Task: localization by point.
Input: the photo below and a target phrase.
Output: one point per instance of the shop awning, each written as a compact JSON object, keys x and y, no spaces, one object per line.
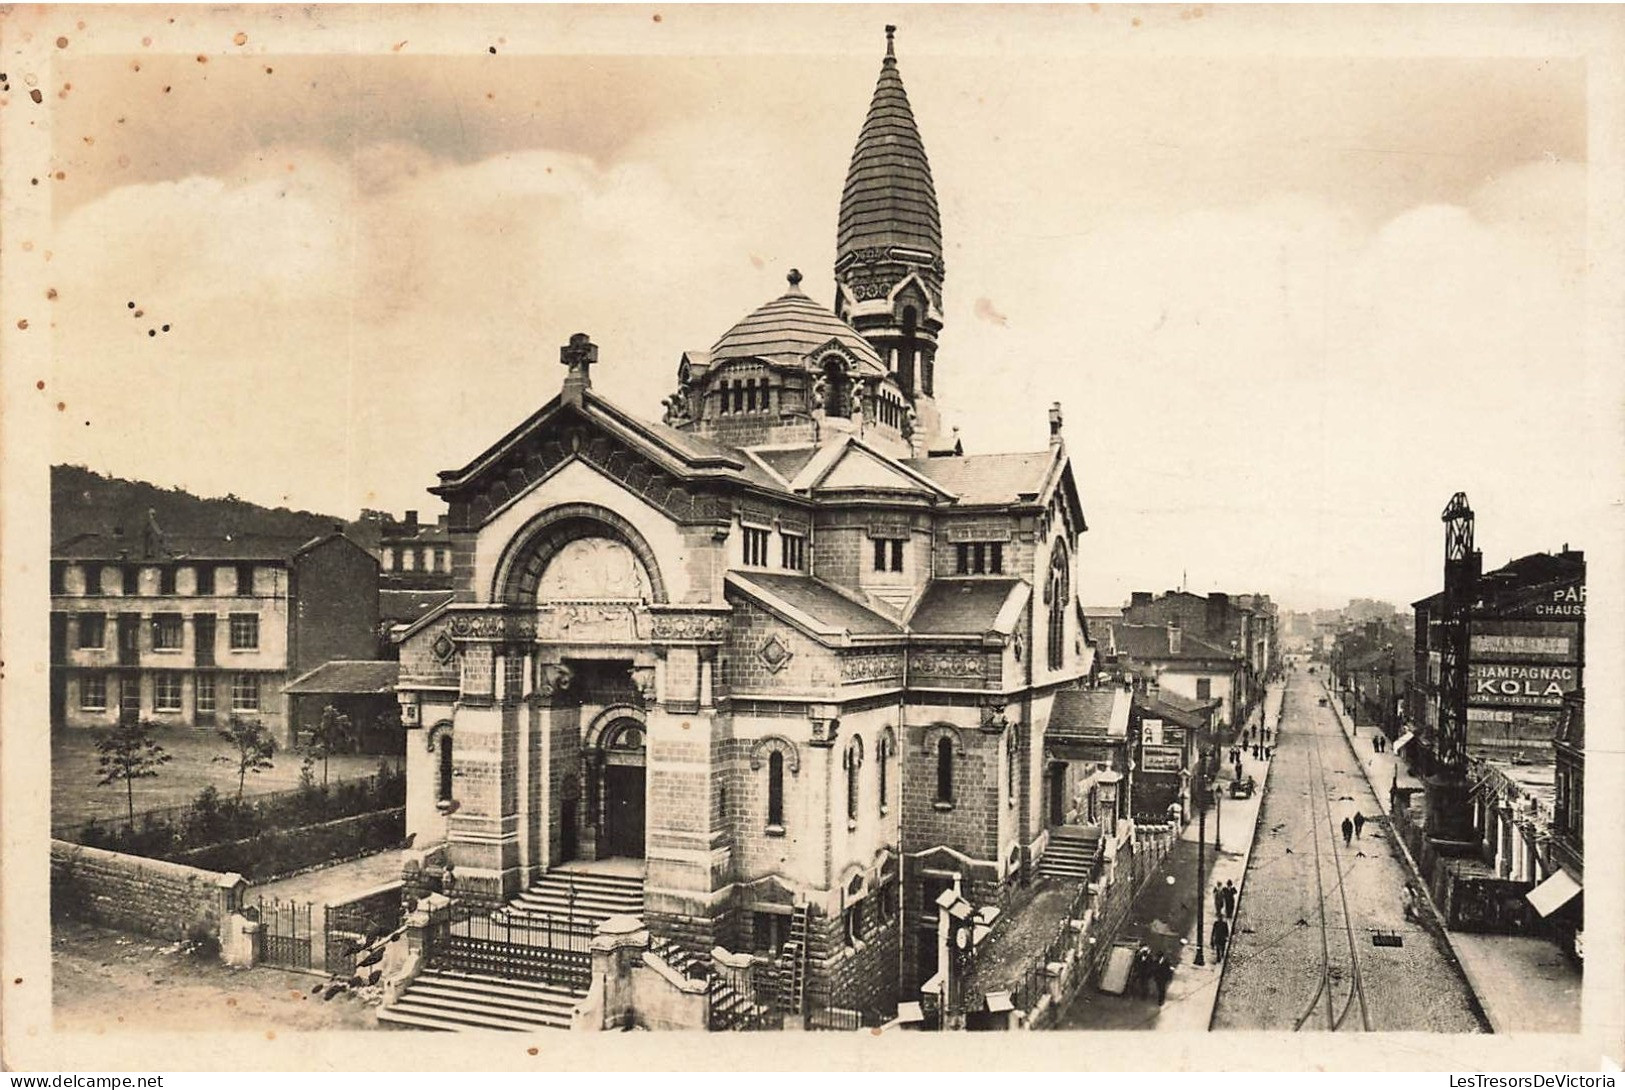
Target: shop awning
{"x":1404,"y":740}
{"x":1558,"y":890}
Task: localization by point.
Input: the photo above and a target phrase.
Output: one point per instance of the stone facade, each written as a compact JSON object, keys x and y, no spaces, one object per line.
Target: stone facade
{"x":728,"y":651}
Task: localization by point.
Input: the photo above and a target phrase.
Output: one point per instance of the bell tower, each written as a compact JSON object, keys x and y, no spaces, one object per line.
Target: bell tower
{"x":888,"y":254}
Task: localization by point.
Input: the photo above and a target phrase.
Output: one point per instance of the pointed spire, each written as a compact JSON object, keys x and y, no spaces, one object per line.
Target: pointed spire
{"x":889,"y":198}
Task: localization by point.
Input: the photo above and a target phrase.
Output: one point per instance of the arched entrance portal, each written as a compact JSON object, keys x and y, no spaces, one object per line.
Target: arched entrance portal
{"x":623,"y":755}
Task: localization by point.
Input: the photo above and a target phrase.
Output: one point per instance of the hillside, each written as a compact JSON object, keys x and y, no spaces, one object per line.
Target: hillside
{"x":83,"y":501}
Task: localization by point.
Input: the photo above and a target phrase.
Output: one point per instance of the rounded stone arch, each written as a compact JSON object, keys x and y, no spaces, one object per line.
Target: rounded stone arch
{"x":853,"y":756}
{"x":938,"y":731}
{"x":885,"y":743}
{"x":599,"y":733}
{"x":432,"y":736}
{"x":775,"y":743}
{"x":527,"y":554}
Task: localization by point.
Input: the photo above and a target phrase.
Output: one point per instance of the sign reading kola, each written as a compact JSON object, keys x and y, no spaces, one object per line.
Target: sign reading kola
{"x":1514,"y":683}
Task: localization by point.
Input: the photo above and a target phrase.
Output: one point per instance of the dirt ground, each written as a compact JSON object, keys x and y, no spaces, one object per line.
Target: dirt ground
{"x":75,"y":796}
{"x":108,"y":981}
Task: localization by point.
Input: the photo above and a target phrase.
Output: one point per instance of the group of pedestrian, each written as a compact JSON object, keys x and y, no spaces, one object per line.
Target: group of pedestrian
{"x":1379,"y":742}
{"x":1353,"y":827}
{"x":1225,"y":898}
{"x":1150,"y":971}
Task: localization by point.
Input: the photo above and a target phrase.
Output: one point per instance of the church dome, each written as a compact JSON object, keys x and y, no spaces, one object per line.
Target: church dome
{"x":789,"y":329}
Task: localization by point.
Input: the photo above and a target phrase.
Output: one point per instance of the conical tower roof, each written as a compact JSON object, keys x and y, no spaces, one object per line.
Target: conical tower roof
{"x":889,"y":199}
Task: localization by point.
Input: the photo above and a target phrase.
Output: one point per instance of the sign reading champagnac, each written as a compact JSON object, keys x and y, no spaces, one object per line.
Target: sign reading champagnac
{"x":1519,"y":684}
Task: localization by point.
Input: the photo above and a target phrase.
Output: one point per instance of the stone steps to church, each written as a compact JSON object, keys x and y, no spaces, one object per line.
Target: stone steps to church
{"x":461,"y":1001}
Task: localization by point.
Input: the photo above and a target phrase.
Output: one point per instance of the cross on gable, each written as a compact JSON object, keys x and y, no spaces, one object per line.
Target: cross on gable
{"x":580,"y":354}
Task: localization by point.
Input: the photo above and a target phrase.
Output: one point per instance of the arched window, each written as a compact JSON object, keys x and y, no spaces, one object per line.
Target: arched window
{"x":444,"y":792}
{"x":775,"y":788}
{"x":910,"y":352}
{"x":837,"y":388}
{"x":1012,"y":750}
{"x":854,"y":761}
{"x":945,"y":769}
{"x":1056,"y":594}
{"x":882,"y":770}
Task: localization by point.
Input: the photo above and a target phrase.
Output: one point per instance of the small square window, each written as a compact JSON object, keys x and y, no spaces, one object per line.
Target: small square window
{"x":168,"y":632}
{"x":93,"y":692}
{"x":93,"y":630}
{"x":755,"y":545}
{"x":245,"y":631}
{"x":245,"y":693}
{"x":166,"y":692}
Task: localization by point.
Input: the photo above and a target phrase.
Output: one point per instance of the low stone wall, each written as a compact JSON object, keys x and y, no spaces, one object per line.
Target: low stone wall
{"x":148,"y":896}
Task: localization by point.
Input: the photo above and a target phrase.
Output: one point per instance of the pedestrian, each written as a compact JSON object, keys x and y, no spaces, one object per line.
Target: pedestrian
{"x":1139,"y":974}
{"x":1348,"y":831}
{"x":1221,"y":937}
{"x":1218,"y":898}
{"x":1359,"y":825}
{"x":1163,"y":971}
{"x":1230,"y":895}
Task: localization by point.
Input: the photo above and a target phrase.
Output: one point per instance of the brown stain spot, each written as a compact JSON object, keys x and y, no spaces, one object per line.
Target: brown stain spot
{"x":492,"y":50}
{"x":490,"y":96}
{"x":657,"y":17}
{"x":166,"y":89}
{"x":398,"y":46}
{"x":135,"y":66}
{"x":19,"y":980}
{"x":62,"y":407}
{"x":62,"y":43}
{"x":270,"y":1035}
{"x":231,"y":1001}
{"x":146,"y":42}
{"x":80,"y":24}
{"x":22,"y":323}
{"x":267,"y":70}
{"x":50,"y":293}
{"x":239,"y":38}
{"x":1135,"y":21}
{"x":532,"y":1051}
{"x":28,"y":245}
{"x":36,"y":96}
{"x":90,"y":141}
{"x":61,"y":175}
{"x":874,"y":1031}
{"x":202,"y":58}
{"x":40,"y":385}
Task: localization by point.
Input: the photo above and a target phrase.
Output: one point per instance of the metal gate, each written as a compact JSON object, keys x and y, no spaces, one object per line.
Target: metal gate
{"x":287,"y":933}
{"x":515,"y":947}
{"x":351,"y":931}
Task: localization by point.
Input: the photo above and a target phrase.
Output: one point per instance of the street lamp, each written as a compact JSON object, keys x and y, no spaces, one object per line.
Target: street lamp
{"x":1201,"y":853}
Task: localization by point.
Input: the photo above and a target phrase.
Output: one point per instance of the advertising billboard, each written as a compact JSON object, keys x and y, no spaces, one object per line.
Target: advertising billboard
{"x":1160,"y":759}
{"x":1523,"y":641}
{"x":1510,"y":684}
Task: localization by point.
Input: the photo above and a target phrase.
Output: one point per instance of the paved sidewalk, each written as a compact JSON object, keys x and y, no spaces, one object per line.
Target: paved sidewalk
{"x":1163,"y":916}
{"x":336,"y":884}
{"x":1524,"y":984}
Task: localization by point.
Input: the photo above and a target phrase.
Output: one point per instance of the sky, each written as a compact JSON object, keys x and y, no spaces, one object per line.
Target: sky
{"x":1289,"y":301}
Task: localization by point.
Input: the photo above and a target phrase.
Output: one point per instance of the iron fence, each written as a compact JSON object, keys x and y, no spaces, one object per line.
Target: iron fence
{"x":517,"y":947}
{"x":288,"y":933}
{"x":834,"y":1018}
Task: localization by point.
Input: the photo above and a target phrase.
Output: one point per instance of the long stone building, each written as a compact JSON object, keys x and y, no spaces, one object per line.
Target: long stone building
{"x":781,"y":665}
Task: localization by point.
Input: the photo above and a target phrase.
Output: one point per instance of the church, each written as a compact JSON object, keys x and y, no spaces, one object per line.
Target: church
{"x":774,"y":672}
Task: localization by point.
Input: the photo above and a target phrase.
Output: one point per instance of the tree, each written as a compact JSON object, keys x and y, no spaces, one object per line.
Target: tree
{"x":332,"y":735}
{"x":253,"y":747}
{"x":129,"y":752}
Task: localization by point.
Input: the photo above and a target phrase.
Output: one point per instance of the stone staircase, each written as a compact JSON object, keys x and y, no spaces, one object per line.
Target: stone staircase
{"x":729,"y":1008}
{"x":596,"y":897}
{"x":444,"y":1000}
{"x":1071,"y":855}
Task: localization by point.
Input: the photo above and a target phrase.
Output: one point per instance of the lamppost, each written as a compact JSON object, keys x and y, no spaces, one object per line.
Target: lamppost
{"x":1199,"y":797}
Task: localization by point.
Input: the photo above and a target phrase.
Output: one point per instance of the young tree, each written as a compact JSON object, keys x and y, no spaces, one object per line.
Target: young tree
{"x":129,"y":752}
{"x":332,"y":735}
{"x":253,"y":747}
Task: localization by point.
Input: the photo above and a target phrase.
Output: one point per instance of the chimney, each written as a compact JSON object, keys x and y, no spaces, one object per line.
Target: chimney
{"x":578,"y":356}
{"x":1173,"y":637}
{"x":1055,"y":424}
{"x":412,"y":522}
{"x":1138,"y":601}
{"x":1218,"y":612}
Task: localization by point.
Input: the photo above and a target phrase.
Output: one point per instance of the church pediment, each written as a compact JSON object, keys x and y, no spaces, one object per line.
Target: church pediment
{"x":856,"y":468}
{"x":648,"y":462}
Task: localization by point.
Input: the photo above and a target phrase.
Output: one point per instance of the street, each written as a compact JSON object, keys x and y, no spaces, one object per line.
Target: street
{"x":1306,"y":951}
